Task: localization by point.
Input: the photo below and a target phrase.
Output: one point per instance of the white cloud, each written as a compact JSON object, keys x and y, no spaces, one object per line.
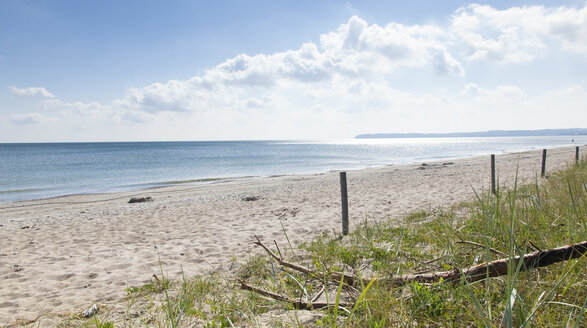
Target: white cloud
{"x":445,"y":64}
{"x":574,"y":91}
{"x":95,"y":112}
{"x":356,"y":51}
{"x":503,"y":94}
{"x":518,"y":34}
{"x":31,"y":92}
{"x":569,"y":26}
{"x":31,"y":118}
{"x":358,"y":48}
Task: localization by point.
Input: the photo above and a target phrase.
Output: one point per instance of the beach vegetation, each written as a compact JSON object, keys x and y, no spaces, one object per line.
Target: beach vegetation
{"x":524,"y":219}
{"x":102,"y":324}
{"x":156,"y":285}
{"x":545,"y":214}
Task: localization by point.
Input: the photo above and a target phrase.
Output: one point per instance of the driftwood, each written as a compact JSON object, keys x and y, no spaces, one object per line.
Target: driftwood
{"x":140,"y":200}
{"x":478,"y":272}
{"x":533,"y":260}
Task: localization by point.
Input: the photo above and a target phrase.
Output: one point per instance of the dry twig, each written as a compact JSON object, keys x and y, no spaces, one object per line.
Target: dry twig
{"x":295,"y":304}
{"x":348,"y":278}
{"x":492,"y":250}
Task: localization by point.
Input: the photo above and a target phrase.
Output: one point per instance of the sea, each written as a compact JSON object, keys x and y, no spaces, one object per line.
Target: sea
{"x":43,"y":170}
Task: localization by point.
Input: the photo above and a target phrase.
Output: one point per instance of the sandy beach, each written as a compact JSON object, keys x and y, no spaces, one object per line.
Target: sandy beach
{"x":63,"y":254}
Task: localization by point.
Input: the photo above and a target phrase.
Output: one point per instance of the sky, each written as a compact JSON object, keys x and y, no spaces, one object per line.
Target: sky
{"x":154,"y":70}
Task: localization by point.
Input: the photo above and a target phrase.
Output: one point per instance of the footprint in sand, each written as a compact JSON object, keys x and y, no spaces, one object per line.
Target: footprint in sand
{"x":64,"y":276}
{"x":8,"y":305}
{"x":120,"y":266}
{"x":12,"y":276}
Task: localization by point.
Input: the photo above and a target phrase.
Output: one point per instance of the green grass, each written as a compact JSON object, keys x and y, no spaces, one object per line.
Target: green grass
{"x":546,"y":214}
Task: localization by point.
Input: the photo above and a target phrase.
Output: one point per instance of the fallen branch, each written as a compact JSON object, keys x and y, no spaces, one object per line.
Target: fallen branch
{"x":530,"y":261}
{"x":281,"y":261}
{"x":475,"y":273}
{"x":318,"y":294}
{"x":348,"y":278}
{"x":295,"y":304}
{"x":493,"y":250}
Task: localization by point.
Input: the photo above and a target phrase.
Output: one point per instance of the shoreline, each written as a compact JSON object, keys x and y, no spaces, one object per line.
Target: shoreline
{"x":152,"y":186}
{"x":65,"y":253}
{"x":92,"y":187}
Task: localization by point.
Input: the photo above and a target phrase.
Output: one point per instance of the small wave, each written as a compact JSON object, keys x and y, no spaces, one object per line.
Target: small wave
{"x":20,"y":191}
{"x":177,"y":182}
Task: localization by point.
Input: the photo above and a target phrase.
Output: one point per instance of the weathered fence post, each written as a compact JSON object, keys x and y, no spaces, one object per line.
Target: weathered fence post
{"x":577,"y":155}
{"x":543,"y":172}
{"x":493,"y":191}
{"x":345,"y":204}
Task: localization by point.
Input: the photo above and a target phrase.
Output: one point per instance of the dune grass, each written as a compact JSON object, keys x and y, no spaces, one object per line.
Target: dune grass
{"x":546,"y":214}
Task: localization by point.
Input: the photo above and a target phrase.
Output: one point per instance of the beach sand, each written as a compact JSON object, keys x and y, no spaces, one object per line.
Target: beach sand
{"x":63,"y":254}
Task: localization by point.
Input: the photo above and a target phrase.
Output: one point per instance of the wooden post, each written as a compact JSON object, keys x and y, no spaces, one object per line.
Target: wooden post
{"x":493,"y":191}
{"x":577,"y":155}
{"x":543,"y":162}
{"x":345,"y":204}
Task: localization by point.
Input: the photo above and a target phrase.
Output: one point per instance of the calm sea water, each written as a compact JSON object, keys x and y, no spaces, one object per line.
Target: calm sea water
{"x":31,"y":171}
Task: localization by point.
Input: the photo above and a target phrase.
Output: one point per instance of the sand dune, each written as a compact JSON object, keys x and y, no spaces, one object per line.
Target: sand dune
{"x":62,"y":254}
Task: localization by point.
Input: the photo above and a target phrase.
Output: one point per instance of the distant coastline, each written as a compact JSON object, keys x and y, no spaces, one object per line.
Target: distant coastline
{"x":492,"y":133}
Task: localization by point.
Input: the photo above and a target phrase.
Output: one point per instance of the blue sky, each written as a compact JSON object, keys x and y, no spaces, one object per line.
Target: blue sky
{"x":220,"y":70}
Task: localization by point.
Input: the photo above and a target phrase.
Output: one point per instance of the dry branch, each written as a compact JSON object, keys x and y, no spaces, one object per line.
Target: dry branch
{"x":493,"y":250}
{"x":295,"y":304}
{"x":318,"y":294}
{"x":498,"y":267}
{"x":530,"y":261}
{"x":348,"y":278}
{"x":475,"y":273}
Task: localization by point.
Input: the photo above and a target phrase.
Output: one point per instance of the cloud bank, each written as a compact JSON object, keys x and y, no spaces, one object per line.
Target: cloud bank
{"x":359,"y":78}
{"x":357,"y":55}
